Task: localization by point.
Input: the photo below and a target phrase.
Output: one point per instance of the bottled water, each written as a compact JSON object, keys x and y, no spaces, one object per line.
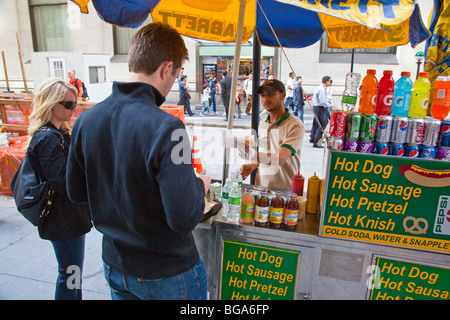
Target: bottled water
{"x":225,"y":199}
{"x":351,"y":91}
{"x":235,"y":203}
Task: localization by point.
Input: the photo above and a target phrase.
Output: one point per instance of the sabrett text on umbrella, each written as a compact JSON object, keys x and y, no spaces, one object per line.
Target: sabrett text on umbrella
{"x":200,"y":24}
{"x":355,"y":33}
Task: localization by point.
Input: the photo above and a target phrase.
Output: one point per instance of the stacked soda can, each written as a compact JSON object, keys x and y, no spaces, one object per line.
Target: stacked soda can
{"x":367,"y":131}
{"x":383,"y":134}
{"x":443,"y":152}
{"x":398,"y":136}
{"x":430,"y":138}
{"x":338,"y":123}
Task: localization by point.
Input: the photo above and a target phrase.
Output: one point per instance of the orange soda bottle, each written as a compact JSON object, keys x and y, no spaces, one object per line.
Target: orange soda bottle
{"x":441,"y":98}
{"x":369,"y":90}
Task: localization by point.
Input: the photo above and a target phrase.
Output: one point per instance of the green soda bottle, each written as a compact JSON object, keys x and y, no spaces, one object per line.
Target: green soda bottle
{"x":420,"y":96}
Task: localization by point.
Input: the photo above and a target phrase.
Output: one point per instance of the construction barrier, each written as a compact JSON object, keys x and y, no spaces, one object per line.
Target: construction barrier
{"x":196,"y":159}
{"x":177,"y":111}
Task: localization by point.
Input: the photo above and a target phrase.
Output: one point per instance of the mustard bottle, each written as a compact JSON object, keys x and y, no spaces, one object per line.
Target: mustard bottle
{"x":312,"y":194}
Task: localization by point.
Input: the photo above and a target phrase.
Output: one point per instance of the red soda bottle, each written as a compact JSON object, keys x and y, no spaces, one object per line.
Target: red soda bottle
{"x":385,"y":94}
{"x":369,"y":90}
{"x":441,"y":98}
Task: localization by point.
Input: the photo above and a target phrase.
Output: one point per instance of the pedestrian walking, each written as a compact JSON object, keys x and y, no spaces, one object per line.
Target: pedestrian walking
{"x":289,"y":90}
{"x":298,"y":99}
{"x":225,"y":88}
{"x":248,"y":87}
{"x":320,"y":108}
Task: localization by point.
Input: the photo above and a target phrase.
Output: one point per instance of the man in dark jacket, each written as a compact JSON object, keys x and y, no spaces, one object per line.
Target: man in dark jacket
{"x":225,"y":88}
{"x":132,"y":162}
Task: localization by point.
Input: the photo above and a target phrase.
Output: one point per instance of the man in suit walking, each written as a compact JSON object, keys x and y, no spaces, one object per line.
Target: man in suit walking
{"x":225,"y":87}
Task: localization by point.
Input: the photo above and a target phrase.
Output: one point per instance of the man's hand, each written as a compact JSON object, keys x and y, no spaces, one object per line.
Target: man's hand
{"x":247,"y":169}
{"x":206,"y":181}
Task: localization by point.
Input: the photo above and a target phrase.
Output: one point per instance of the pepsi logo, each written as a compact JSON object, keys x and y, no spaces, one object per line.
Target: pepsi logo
{"x":413,"y":154}
{"x":382,"y":124}
{"x":404,"y":126}
{"x":445,"y":130}
{"x":385,"y":151}
{"x":400,"y":152}
{"x":448,"y":216}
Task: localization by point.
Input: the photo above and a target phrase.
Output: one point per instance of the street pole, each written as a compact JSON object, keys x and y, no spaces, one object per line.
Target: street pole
{"x":234,"y":75}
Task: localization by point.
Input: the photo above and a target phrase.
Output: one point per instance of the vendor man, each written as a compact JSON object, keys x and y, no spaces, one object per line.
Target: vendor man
{"x":280,"y":141}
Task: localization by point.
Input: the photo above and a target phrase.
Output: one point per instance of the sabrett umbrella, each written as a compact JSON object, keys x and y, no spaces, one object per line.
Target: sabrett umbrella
{"x":284,"y":23}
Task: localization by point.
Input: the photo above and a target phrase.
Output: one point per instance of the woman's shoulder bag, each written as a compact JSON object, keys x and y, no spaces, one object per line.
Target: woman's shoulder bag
{"x":32,"y":194}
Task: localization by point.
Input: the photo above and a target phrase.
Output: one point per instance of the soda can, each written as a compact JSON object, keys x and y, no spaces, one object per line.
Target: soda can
{"x":351,"y":145}
{"x":399,"y":129}
{"x":427,"y":152}
{"x":353,"y":126}
{"x":337,"y":124}
{"x":384,"y":128}
{"x":336,"y":143}
{"x":414,"y":135}
{"x":397,"y":149}
{"x":443,"y":154}
{"x":381,"y":148}
{"x":411,"y":151}
{"x":444,"y":137}
{"x":365,"y":147}
{"x":431,"y":130}
{"x":368,"y":127}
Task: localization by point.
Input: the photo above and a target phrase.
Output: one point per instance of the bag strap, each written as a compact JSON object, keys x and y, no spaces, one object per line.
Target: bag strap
{"x":32,"y":155}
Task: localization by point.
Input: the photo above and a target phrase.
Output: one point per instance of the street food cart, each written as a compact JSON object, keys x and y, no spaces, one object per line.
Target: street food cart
{"x":382,"y":233}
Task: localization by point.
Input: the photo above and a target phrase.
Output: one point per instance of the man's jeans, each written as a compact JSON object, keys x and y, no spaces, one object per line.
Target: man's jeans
{"x":70,"y":256}
{"x":190,"y":285}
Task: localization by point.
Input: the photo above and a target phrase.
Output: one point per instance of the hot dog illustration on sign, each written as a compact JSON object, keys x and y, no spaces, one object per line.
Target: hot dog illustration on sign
{"x":425,"y":177}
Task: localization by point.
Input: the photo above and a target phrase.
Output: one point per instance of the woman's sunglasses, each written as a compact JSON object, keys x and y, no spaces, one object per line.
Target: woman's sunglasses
{"x":69,"y":105}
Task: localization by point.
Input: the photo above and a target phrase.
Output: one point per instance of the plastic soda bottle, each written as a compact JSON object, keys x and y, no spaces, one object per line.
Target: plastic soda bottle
{"x":247,"y":206}
{"x":402,"y":95}
{"x":368,"y":95}
{"x":225,"y":199}
{"x":235,"y":203}
{"x":441,"y":98}
{"x":351,"y":91}
{"x":385,"y":94}
{"x":420,"y":96}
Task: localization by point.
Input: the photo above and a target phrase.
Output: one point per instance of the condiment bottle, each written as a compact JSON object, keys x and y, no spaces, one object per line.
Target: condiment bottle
{"x":262,"y":208}
{"x":291,"y":209}
{"x":247,"y":206}
{"x":312,"y":194}
{"x":276,"y":211}
{"x":297,"y":184}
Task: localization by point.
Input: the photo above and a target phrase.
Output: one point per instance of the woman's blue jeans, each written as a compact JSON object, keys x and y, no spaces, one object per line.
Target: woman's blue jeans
{"x":70,"y":256}
{"x":190,"y":285}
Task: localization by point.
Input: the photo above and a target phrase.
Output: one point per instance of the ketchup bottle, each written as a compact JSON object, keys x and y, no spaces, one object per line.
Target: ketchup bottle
{"x":298,"y":182}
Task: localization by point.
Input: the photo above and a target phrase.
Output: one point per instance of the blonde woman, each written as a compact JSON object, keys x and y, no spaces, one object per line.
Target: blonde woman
{"x":67,"y":223}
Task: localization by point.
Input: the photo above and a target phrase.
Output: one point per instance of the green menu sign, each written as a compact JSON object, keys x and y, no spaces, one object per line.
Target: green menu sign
{"x":253,"y":272}
{"x":397,"y":201}
{"x":402,"y":280}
